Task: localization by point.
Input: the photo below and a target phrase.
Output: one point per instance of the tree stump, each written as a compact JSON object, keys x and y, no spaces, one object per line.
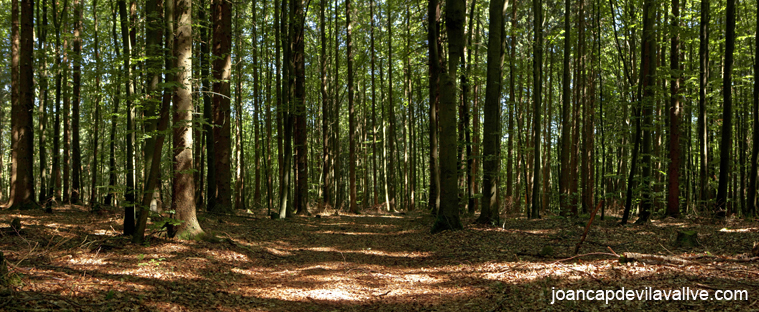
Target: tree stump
{"x":687,"y":239}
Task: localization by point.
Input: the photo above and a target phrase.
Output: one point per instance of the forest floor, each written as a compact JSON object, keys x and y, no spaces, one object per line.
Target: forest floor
{"x":75,"y":260}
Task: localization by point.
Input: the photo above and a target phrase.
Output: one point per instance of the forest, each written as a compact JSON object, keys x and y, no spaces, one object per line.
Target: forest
{"x":294,"y":155}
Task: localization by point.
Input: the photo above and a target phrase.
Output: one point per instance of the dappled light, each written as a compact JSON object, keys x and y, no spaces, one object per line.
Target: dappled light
{"x":353,"y":262}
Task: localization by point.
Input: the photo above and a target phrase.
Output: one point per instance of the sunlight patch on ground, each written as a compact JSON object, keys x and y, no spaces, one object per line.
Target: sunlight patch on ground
{"x":369,"y":251}
{"x":746,"y":230}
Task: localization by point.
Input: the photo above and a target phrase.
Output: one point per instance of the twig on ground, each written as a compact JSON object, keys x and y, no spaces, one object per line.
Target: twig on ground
{"x":587,"y":254}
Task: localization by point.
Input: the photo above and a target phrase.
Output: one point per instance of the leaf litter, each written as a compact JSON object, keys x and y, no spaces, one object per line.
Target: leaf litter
{"x":75,"y":260}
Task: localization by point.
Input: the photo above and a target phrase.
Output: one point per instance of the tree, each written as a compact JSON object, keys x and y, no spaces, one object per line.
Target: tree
{"x":752,"y":203}
{"x":703,"y":81}
{"x":491,"y":132}
{"x":93,"y":186}
{"x":129,"y":221}
{"x":22,"y":177}
{"x":222,"y":69}
{"x":675,"y":115}
{"x":647,"y":72}
{"x":721,"y":208}
{"x":297,"y":24}
{"x":183,"y":195}
{"x":433,"y":16}
{"x":351,"y":111}
{"x":76,"y":151}
{"x":448,"y":216}
{"x":537,"y":70}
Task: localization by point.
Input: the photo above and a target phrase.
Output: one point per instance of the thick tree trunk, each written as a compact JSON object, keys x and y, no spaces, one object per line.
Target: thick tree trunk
{"x":491,"y":134}
{"x":647,"y":72}
{"x":222,"y":68}
{"x":22,"y":186}
{"x":183,"y":195}
{"x":448,"y":216}
{"x":675,"y":115}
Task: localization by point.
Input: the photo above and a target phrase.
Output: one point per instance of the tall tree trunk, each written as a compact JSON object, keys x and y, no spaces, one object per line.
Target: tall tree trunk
{"x":703,"y":82}
{"x":22,"y":178}
{"x":751,"y":201}
{"x":112,"y":176}
{"x":44,"y":101}
{"x":448,"y":216}
{"x":326,"y":108}
{"x":239,"y":195}
{"x":222,"y":68}
{"x":727,"y":111}
{"x":647,"y":72}
{"x":93,"y":186}
{"x":675,"y":114}
{"x":297,"y":24}
{"x":15,"y":89}
{"x":129,"y":196}
{"x":55,"y":185}
{"x":183,"y":195}
{"x":491,"y":134}
{"x":537,"y":93}
{"x":76,"y":153}
{"x":433,"y":15}
{"x":390,"y":194}
{"x":208,"y":128}
{"x":351,"y":112}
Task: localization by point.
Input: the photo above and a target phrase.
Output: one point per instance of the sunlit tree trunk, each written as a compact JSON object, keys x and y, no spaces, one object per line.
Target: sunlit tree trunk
{"x":183,"y":195}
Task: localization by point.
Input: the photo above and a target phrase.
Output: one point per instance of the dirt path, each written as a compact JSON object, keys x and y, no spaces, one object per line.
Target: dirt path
{"x":75,"y":260}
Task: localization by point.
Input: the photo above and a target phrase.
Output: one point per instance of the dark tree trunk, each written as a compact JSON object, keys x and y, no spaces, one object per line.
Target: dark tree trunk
{"x":433,"y":15}
{"x":675,"y":115}
{"x":44,"y":102}
{"x":647,"y":72}
{"x":751,"y":201}
{"x":703,"y":81}
{"x":129,"y":196}
{"x":22,"y":137}
{"x":448,"y":216}
{"x":491,"y":134}
{"x":721,"y":208}
{"x":76,"y":153}
{"x":96,"y":135}
{"x":222,"y":67}
{"x":297,"y":24}
{"x":537,"y":93}
{"x":351,"y":112}
{"x":112,"y":176}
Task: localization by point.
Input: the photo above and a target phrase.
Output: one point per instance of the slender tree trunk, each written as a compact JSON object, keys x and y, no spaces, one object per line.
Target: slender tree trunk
{"x":239,"y":154}
{"x":297,"y":21}
{"x":351,"y":112}
{"x":222,"y":67}
{"x":112,"y":176}
{"x":727,"y":112}
{"x":751,"y":201}
{"x":93,"y":186}
{"x":703,"y":81}
{"x":15,"y":87}
{"x":326,"y":120}
{"x":44,"y":102}
{"x":647,"y":71}
{"x":433,"y":15}
{"x":129,"y":227}
{"x":537,"y":74}
{"x":76,"y":154}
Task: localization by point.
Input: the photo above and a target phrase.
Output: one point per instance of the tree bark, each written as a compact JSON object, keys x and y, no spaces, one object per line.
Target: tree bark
{"x":222,"y":67}
{"x":297,"y":24}
{"x":721,"y":209}
{"x":491,"y":133}
{"x":351,"y":112}
{"x":675,"y":115}
{"x":448,"y":216}
{"x":537,"y":93}
{"x":183,"y":195}
{"x":96,"y":135}
{"x":129,"y":225}
{"x":751,"y":200}
{"x":703,"y":82}
{"x":76,"y":153}
{"x":22,"y":178}
{"x":433,"y":15}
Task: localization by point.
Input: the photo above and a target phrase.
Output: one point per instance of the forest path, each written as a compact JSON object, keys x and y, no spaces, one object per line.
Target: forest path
{"x":380,"y":262}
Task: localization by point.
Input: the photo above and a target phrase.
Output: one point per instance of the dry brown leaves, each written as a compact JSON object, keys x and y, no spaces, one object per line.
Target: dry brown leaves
{"x":77,"y":261}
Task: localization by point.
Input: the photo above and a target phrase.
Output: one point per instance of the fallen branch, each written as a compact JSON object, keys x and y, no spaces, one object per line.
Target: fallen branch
{"x":588,"y":254}
{"x":587,"y":227}
{"x":634,"y":256}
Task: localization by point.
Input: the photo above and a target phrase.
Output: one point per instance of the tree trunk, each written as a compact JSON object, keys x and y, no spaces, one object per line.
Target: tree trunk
{"x":448,"y":216}
{"x":675,"y":115}
{"x":96,"y":135}
{"x":222,"y":67}
{"x":44,"y":102}
{"x":112,"y":177}
{"x":183,"y":194}
{"x":297,"y":24}
{"x":351,"y":112}
{"x":647,"y":72}
{"x":751,"y":201}
{"x":433,"y":15}
{"x":326,"y":120}
{"x":22,"y":178}
{"x":129,"y":194}
{"x":727,"y":112}
{"x":537,"y":93}
{"x":703,"y":81}
{"x":76,"y":153}
{"x":491,"y":134}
